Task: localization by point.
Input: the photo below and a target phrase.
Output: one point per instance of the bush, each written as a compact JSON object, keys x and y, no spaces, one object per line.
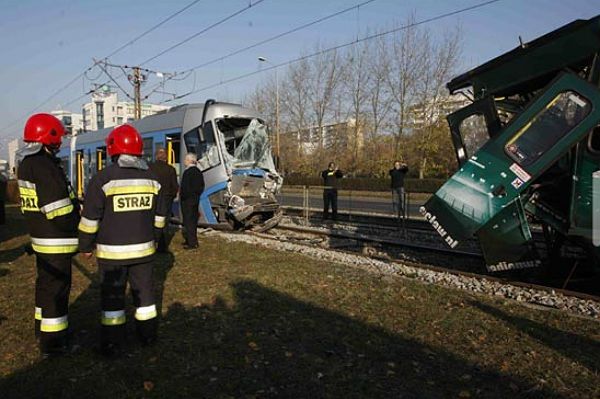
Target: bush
{"x":369,"y":184}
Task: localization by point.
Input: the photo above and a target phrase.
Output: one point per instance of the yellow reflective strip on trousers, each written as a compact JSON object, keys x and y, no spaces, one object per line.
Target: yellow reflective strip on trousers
{"x":38,"y":314}
{"x":54,"y":249}
{"x":132,"y":190}
{"x":54,"y":327}
{"x":87,"y":229}
{"x":59,"y":212}
{"x":159,"y":225}
{"x":146,"y":316}
{"x":113,"y":321}
{"x":125,"y":255}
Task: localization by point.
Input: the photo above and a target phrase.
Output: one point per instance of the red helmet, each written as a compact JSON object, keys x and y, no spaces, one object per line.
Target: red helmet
{"x":124,"y":139}
{"x":44,"y":128}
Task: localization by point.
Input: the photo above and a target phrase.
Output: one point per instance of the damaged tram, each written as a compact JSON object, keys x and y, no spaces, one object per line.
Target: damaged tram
{"x":528,"y":149}
{"x":234,"y":156}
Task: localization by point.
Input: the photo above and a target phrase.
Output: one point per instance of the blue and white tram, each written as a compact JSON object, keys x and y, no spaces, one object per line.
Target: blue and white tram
{"x":234,"y":156}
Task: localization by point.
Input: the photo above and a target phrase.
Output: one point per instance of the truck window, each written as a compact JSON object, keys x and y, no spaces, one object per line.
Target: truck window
{"x":545,"y":129}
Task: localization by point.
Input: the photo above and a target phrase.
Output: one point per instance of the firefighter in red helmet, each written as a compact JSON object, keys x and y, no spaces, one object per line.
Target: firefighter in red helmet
{"x":52,"y":214}
{"x":123,"y":215}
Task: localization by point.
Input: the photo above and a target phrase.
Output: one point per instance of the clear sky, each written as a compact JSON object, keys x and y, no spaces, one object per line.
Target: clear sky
{"x":46,"y":43}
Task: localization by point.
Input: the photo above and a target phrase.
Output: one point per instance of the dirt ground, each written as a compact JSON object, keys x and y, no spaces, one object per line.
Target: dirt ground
{"x":243,"y":322}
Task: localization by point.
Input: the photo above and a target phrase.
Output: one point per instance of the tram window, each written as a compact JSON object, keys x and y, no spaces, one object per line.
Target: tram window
{"x":233,"y":130}
{"x":594,"y":141}
{"x":474,"y":133}
{"x":552,"y":123}
{"x":147,"y":151}
{"x":202,"y":143}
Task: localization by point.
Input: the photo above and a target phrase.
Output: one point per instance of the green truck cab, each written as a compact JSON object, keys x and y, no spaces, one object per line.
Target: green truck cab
{"x":540,"y":107}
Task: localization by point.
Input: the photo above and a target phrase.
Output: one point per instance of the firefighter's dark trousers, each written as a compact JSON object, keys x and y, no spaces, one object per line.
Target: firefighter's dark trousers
{"x":113,"y":285}
{"x":189,"y":209}
{"x":52,"y":287}
{"x":330,"y":198}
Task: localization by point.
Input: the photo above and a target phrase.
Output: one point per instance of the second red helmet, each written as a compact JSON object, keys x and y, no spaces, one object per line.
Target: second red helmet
{"x":124,"y":139}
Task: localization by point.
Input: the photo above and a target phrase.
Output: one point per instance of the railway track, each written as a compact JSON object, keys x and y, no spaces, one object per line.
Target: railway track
{"x":539,"y":284}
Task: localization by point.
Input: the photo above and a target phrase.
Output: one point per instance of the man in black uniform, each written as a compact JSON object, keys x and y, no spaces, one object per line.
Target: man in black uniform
{"x":122,"y":217}
{"x":167,"y":177}
{"x":397,"y":174}
{"x":192,"y":185}
{"x":330,"y":180}
{"x":52,"y":214}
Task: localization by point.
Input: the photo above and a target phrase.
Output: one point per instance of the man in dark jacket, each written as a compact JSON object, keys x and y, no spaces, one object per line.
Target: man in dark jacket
{"x":167,"y":177}
{"x":192,"y":185}
{"x":330,"y":180}
{"x":397,"y":174}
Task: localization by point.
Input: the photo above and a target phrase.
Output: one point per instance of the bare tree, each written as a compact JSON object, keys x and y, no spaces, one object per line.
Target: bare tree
{"x":404,"y":72}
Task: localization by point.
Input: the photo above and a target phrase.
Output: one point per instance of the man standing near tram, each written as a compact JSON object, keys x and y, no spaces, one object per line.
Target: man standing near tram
{"x":52,"y":213}
{"x":123,"y":215}
{"x":167,"y":177}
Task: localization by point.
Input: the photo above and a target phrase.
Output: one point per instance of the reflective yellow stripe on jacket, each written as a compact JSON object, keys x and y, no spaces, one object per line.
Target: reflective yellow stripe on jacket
{"x":29,"y":198}
{"x":159,"y":221}
{"x":54,"y":245}
{"x":88,"y":225}
{"x":131,"y":186}
{"x":54,"y":209}
{"x":121,"y":252}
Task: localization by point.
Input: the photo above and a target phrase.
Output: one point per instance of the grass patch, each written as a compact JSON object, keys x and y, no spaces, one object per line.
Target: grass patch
{"x":242,"y":321}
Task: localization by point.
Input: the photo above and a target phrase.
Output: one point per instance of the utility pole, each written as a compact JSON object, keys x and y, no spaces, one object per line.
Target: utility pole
{"x":138,"y":77}
{"x":137,"y":97}
{"x":277,"y":146}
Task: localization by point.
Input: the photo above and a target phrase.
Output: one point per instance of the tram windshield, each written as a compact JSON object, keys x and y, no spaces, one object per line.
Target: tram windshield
{"x":247,"y":143}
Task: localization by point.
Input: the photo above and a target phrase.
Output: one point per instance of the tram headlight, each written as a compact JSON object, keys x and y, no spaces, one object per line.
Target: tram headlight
{"x":236,"y":202}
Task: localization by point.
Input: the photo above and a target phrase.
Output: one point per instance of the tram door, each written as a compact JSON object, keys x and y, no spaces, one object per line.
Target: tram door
{"x":173,"y":147}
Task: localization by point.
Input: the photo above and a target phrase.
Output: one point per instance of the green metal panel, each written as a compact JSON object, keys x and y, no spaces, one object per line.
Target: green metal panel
{"x":491,"y":180}
{"x":506,"y":240}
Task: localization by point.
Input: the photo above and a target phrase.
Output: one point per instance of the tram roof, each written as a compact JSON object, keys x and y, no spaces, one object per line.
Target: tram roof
{"x":168,"y":120}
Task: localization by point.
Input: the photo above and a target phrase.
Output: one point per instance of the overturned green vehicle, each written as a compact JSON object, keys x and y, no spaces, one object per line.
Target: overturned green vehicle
{"x":534,"y":156}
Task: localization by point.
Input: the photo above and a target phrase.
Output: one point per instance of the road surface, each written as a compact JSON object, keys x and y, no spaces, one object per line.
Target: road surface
{"x":347,"y":203}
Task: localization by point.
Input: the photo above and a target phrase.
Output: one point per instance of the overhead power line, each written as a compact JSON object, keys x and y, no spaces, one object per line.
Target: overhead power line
{"x":327,"y":50}
{"x":265,"y":41}
{"x":280,"y":35}
{"x":187,"y":39}
{"x":173,"y":46}
{"x":82,"y":74}
{"x":158,"y":25}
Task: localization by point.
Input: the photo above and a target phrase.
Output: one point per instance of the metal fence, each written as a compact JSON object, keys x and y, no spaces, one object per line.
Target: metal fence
{"x":351,"y":203}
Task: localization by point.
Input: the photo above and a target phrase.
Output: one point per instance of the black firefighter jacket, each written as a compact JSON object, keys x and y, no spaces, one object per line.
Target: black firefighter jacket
{"x":123,"y":213}
{"x":49,"y":205}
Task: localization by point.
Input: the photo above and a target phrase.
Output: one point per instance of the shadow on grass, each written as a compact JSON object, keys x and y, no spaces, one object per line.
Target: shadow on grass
{"x":267,"y":344}
{"x":580,"y":349}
